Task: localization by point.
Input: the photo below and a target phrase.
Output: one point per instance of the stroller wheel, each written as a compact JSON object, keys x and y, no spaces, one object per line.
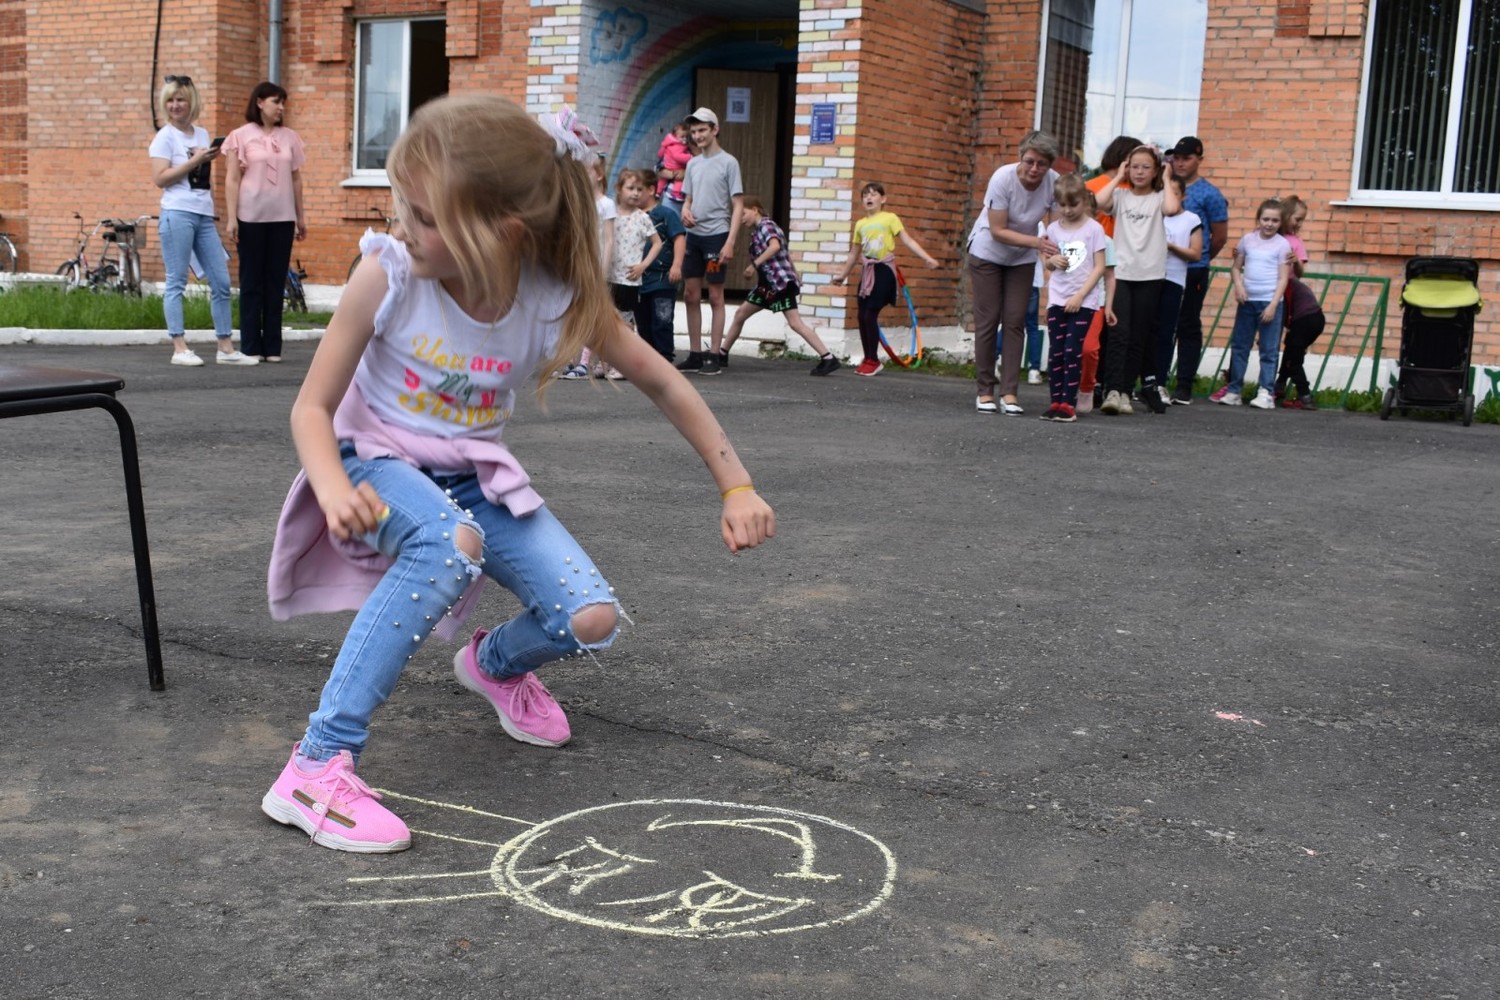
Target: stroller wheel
{"x":1468,"y":410}
{"x":1387,"y":403}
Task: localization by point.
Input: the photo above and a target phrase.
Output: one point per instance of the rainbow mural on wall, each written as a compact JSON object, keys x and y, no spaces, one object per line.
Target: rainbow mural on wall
{"x":656,"y":88}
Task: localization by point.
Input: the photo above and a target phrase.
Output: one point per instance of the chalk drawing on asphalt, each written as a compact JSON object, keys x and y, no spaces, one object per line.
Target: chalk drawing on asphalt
{"x":668,"y":867}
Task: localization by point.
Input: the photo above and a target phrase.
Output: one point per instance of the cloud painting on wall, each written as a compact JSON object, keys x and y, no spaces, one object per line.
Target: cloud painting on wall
{"x":615,"y":34}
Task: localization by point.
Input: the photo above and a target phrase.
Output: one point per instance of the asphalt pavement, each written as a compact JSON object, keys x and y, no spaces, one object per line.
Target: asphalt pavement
{"x":1181,"y":706}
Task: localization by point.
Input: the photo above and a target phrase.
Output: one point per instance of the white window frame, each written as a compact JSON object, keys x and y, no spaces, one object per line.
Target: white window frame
{"x":1122,"y":75}
{"x":1445,"y":197}
{"x":366,"y":176}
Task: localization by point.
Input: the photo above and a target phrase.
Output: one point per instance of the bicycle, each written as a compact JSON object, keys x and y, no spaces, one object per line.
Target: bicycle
{"x":390,"y":220}
{"x":119,"y":265}
{"x":295,"y":294}
{"x":7,"y":252}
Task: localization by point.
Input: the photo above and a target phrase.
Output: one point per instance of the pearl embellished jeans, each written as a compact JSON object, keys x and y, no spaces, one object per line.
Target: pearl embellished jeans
{"x":534,"y":557}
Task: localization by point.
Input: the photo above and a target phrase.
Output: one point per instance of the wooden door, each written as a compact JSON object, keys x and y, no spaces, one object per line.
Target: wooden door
{"x":749,"y":106}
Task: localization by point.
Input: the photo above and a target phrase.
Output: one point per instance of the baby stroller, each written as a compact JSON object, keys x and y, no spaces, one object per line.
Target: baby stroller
{"x":1438,"y":305}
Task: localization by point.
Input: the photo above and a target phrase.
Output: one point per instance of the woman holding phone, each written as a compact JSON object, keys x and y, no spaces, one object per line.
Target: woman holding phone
{"x":263,"y":193}
{"x":180,"y":155}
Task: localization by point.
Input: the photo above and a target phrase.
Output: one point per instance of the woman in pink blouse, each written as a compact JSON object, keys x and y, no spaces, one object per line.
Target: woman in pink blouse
{"x":263,"y":193}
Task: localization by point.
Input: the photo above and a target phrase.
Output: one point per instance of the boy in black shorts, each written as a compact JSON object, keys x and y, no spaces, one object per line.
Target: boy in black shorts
{"x":777,"y":285}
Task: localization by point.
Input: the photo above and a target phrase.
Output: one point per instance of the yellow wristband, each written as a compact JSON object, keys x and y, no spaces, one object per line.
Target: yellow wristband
{"x":735,"y":489}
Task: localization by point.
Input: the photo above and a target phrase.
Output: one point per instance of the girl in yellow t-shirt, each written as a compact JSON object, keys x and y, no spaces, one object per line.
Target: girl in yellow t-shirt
{"x":874,"y":241}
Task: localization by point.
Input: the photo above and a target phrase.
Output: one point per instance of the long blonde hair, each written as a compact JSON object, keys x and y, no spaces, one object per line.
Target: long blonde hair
{"x":501,"y":196}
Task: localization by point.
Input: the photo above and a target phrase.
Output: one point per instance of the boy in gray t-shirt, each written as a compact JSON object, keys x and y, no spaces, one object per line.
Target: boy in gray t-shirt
{"x":712,"y":195}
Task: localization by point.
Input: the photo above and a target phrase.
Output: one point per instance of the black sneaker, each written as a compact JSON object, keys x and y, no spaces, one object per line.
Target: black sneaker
{"x":692,"y":363}
{"x":1151,"y":396}
{"x":723,"y":359}
{"x":709,"y":366}
{"x":825,"y":366}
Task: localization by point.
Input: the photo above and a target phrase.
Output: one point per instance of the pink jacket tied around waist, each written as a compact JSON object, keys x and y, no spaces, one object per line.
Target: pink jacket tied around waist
{"x":313,"y":571}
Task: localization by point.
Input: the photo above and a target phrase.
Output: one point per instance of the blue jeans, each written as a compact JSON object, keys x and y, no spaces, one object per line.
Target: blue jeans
{"x":654,"y":316}
{"x":534,"y":557}
{"x":1034,"y":333}
{"x":181,"y":234}
{"x":1246,"y":325}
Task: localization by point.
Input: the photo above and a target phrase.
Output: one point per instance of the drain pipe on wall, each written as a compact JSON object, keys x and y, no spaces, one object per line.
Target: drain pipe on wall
{"x":273,"y":58}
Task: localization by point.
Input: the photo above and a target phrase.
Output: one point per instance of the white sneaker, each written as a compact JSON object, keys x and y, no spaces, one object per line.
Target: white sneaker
{"x":187,"y":358}
{"x":1263,"y":400}
{"x":236,"y":358}
{"x":1034,"y":377}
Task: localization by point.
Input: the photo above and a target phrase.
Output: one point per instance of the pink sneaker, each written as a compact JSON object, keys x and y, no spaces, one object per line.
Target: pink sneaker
{"x":527,"y":710}
{"x":335,"y":808}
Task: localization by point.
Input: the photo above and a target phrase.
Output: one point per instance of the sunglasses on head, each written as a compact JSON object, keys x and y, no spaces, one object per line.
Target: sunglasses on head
{"x":185,"y":81}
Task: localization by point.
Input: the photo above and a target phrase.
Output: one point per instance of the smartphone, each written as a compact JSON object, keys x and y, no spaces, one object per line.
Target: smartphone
{"x":216,"y":144}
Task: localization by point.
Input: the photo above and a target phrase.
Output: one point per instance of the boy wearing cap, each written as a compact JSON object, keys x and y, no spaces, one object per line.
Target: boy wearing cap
{"x":1210,"y":206}
{"x":712,"y":197}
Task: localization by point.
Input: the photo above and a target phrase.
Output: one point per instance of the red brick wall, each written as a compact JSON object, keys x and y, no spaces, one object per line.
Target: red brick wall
{"x":14,"y":161}
{"x":918,"y":100}
{"x":1284,"y":123}
{"x":89,"y":100}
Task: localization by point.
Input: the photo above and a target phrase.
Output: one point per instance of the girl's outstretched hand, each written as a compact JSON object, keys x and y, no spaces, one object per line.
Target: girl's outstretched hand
{"x":355,"y":513}
{"x":747,"y":520}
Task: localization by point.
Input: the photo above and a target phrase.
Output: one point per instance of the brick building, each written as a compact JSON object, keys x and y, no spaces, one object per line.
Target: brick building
{"x":1324,"y":98}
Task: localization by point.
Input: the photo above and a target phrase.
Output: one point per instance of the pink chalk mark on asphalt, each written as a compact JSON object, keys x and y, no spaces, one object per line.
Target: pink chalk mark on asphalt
{"x":1237,"y":717}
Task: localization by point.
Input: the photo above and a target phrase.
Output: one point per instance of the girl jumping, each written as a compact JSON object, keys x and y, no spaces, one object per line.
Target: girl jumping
{"x":407,"y":496}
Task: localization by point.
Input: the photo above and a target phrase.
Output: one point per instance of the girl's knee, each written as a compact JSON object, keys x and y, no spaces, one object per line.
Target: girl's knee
{"x":595,"y":623}
{"x":469,"y":541}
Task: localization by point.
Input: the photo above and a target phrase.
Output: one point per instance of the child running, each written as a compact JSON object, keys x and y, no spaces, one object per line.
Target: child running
{"x":1260,"y":272}
{"x":636,"y":246}
{"x":408,"y":496}
{"x":1076,"y":276}
{"x":777,"y":283}
{"x":875,"y":239}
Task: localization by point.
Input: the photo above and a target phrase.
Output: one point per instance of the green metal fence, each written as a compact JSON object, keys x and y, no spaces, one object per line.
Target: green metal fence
{"x":1354,"y":305}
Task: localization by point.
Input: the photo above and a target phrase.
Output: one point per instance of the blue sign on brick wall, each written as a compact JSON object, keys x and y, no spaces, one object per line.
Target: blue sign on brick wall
{"x":822,"y":124}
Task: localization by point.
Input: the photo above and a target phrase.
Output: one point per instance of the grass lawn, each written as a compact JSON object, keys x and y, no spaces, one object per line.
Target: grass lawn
{"x":43,"y":308}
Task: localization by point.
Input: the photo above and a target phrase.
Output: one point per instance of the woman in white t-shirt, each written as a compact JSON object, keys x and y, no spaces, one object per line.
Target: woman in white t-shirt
{"x":1003,"y":250}
{"x":180,"y":156}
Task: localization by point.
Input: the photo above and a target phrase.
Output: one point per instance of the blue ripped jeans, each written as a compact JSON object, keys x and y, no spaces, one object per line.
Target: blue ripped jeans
{"x":534,"y":557}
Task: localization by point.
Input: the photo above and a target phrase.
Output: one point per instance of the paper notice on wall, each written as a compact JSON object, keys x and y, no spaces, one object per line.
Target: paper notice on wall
{"x":737,"y":102}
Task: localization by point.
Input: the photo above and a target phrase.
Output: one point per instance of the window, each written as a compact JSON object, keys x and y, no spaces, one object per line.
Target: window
{"x":1120,"y":67}
{"x":401,"y":65}
{"x":1429,"y":131}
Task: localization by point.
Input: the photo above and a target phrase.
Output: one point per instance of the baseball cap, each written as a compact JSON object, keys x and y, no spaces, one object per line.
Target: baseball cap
{"x":704,"y":116}
{"x":1188,"y":145}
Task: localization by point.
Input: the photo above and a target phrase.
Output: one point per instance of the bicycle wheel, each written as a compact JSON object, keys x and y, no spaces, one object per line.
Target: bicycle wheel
{"x":352,"y":265}
{"x":7,"y":255}
{"x":296,"y":299}
{"x":105,"y":278}
{"x":68,"y":271}
{"x":130,"y":282}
